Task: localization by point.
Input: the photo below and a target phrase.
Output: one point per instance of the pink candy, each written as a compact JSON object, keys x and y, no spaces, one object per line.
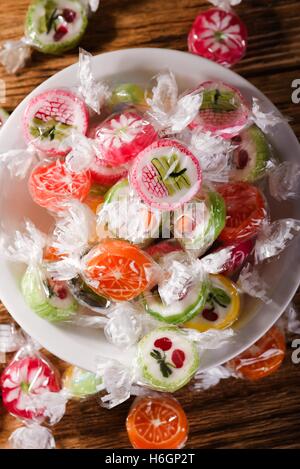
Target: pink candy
{"x":218,"y":35}
{"x":121,"y":138}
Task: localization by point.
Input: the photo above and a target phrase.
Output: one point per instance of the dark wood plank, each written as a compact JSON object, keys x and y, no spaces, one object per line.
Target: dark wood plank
{"x":235,"y":414}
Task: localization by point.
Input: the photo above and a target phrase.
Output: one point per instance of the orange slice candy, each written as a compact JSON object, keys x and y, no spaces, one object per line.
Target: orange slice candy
{"x":118,"y":270}
{"x":157,"y":423}
{"x":261,"y":359}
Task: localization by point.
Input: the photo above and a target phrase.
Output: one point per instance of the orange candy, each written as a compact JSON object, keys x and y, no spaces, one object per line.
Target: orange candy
{"x":118,"y":270}
{"x":157,"y":423}
{"x":261,"y":359}
{"x":52,"y":185}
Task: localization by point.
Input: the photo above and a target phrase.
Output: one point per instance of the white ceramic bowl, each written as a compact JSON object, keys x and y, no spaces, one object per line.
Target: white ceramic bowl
{"x":81,"y":346}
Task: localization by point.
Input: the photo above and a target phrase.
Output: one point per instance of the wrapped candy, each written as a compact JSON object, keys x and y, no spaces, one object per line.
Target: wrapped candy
{"x":51,"y":27}
{"x":24,"y":383}
{"x":166,"y":175}
{"x":79,"y":383}
{"x":127,"y":95}
{"x":170,"y":429}
{"x":219,"y":34}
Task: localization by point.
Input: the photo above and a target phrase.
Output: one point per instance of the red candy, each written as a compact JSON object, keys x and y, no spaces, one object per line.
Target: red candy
{"x":121,"y":137}
{"x":239,"y":255}
{"x":218,"y":35}
{"x":23,"y":379}
{"x":52,"y":185}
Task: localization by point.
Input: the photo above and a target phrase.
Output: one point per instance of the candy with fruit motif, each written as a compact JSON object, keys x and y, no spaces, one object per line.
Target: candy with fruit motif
{"x":167,"y":359}
{"x":52,"y":185}
{"x":223,"y":110}
{"x":222,"y":306}
{"x":262,"y":358}
{"x":49,"y":299}
{"x":219,"y":35}
{"x":157,"y":422}
{"x":197,"y":225}
{"x":122,"y":136}
{"x":246,"y":211}
{"x":55,"y":26}
{"x":118,"y":270}
{"x":251,"y":155}
{"x":23,"y":381}
{"x":51,"y":117}
{"x":166,"y":175}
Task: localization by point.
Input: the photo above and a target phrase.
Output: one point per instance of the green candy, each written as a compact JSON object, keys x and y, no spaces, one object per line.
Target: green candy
{"x":251,"y":156}
{"x":81,"y":383}
{"x":179,"y":311}
{"x":125,"y":95}
{"x":167,"y":359}
{"x":41,"y":295}
{"x":55,"y":26}
{"x":203,"y":235}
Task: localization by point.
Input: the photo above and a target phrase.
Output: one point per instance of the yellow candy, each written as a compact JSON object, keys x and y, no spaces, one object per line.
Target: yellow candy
{"x":222,"y":308}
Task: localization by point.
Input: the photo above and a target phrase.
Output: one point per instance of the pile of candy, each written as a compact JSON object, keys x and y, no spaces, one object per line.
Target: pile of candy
{"x":160,"y":227}
{"x":34,"y":392}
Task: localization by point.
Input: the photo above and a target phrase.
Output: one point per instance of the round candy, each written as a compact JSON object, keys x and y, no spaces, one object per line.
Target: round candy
{"x":118,"y":270}
{"x":87,"y":297}
{"x":122,"y":136}
{"x":261,"y":359}
{"x":125,"y":95}
{"x":218,"y":35}
{"x":197,"y":226}
{"x":238,"y":256}
{"x":49,"y":299}
{"x":3,"y":117}
{"x":179,"y":311}
{"x":167,"y":359}
{"x":157,"y":423}
{"x":81,"y":383}
{"x":51,"y":185}
{"x":23,"y":379}
{"x":126,"y":217}
{"x":166,"y":175}
{"x":222,"y":306}
{"x":251,"y":155}
{"x":223,"y":111}
{"x":51,"y":117}
{"x":55,"y":26}
{"x":105,"y":174}
{"x":245,"y":208}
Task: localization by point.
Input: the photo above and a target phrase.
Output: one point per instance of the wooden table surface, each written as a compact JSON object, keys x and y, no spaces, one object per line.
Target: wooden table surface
{"x":235,"y":414}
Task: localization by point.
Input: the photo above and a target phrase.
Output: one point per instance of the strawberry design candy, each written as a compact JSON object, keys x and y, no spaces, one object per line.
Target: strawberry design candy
{"x":166,"y":174}
{"x":121,"y":137}
{"x":55,"y":26}
{"x":218,"y":35}
{"x":52,"y":185}
{"x":167,"y":359}
{"x":24,"y":379}
{"x":51,"y":117}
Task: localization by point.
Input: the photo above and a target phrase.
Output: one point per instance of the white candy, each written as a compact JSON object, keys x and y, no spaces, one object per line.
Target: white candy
{"x":32,"y":437}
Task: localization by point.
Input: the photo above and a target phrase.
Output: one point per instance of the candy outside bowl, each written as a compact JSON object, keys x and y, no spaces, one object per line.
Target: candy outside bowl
{"x":81,"y":346}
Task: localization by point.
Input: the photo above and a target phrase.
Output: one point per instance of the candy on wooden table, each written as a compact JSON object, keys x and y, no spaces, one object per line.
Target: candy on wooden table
{"x":156,"y":422}
{"x":80,"y":383}
{"x":219,"y":34}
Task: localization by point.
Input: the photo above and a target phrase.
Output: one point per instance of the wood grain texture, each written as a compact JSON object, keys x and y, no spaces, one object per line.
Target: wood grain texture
{"x":235,"y":414}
